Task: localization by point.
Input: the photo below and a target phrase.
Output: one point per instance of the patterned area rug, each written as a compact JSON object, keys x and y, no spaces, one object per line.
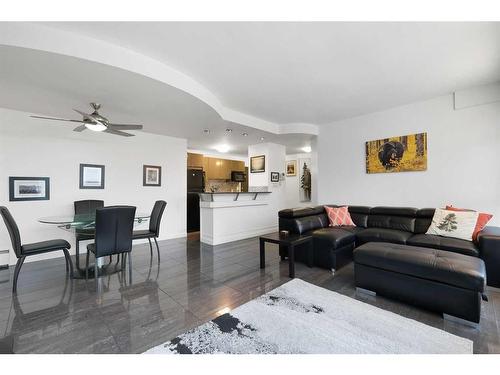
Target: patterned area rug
{"x":299,"y":317}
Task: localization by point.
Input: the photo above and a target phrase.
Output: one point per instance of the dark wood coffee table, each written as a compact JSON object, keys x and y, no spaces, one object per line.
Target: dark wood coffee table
{"x":290,"y":241}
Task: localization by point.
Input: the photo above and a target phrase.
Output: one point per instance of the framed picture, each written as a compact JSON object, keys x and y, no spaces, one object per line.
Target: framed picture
{"x":151,"y":175}
{"x":275,"y":177}
{"x":91,"y":176}
{"x":29,"y":188}
{"x":291,"y":168}
{"x":258,"y":164}
{"x":406,"y":153}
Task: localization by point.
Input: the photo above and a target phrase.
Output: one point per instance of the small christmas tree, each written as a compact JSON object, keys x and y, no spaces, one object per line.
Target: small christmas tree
{"x":449,"y":223}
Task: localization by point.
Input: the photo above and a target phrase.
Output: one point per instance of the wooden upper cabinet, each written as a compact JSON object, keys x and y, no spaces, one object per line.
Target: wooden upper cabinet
{"x":220,"y":169}
{"x":194,"y":160}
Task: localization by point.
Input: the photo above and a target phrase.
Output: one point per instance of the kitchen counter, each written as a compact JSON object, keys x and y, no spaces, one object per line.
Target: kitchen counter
{"x":235,"y":196}
{"x":230,"y":216}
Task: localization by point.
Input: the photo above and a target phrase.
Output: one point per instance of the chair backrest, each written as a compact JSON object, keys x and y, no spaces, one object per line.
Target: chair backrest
{"x":155,"y":219}
{"x":113,"y":230}
{"x":87,"y":206}
{"x":13,"y":230}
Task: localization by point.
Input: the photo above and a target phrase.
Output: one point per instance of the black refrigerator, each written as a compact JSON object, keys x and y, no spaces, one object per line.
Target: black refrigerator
{"x":195,"y":185}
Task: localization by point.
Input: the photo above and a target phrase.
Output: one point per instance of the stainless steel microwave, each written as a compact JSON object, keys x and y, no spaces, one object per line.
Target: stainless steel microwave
{"x":238,"y":176}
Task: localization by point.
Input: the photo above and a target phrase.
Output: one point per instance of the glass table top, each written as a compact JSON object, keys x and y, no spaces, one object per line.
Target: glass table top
{"x":83,"y":221}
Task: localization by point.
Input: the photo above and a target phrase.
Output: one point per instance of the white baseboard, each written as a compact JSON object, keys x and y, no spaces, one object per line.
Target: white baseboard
{"x":225,"y":238}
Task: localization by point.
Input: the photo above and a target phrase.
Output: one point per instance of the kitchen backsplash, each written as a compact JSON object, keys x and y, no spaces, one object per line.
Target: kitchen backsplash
{"x":222,"y":186}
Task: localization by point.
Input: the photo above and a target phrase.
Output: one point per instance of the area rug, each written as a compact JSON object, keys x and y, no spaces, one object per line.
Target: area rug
{"x":299,"y":317}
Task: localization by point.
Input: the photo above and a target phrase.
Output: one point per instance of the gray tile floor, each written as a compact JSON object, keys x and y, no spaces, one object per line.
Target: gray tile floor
{"x":192,"y":284}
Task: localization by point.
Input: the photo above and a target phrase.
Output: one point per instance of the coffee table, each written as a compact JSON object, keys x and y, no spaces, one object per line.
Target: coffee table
{"x":290,"y":241}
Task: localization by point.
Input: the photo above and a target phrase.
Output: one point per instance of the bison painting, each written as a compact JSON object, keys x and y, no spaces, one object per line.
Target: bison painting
{"x":390,"y":154}
{"x":397,"y":154}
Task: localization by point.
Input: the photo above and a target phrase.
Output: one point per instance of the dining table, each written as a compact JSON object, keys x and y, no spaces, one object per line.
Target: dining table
{"x":85,"y":224}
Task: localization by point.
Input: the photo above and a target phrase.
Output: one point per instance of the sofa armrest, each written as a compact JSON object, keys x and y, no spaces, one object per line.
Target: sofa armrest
{"x":489,"y":251}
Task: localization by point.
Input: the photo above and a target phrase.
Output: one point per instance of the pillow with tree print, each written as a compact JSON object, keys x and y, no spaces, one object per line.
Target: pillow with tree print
{"x":456,"y":224}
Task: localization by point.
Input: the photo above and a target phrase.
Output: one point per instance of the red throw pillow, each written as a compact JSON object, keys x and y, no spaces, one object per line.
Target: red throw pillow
{"x":339,"y":216}
{"x":482,"y":220}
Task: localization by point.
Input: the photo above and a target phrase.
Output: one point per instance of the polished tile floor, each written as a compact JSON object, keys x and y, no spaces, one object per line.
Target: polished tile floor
{"x":193,"y":283}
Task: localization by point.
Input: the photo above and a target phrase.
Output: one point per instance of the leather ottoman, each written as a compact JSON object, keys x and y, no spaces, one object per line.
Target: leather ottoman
{"x":442,"y":281}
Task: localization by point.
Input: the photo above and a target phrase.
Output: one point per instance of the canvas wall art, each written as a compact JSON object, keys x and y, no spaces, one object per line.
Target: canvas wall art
{"x":405,"y":153}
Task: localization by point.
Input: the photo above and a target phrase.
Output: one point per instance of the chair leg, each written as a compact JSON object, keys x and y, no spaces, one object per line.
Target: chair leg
{"x":19,"y":264}
{"x":96,"y":275}
{"x":157,"y":249}
{"x":87,"y":265}
{"x":129,"y":267}
{"x":150,"y":247}
{"x":68,"y":263}
{"x":77,"y":254}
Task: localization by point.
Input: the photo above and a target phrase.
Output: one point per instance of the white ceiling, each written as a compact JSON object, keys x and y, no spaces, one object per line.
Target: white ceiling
{"x":315,"y":72}
{"x":271,"y":80}
{"x":48,"y":84}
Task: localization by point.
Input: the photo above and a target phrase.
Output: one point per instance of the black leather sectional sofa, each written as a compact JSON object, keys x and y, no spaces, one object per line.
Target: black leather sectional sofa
{"x":333,"y":246}
{"x":394,"y":257}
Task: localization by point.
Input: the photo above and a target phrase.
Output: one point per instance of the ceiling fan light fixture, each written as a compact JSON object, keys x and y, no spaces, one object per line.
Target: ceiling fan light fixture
{"x":96,"y":127}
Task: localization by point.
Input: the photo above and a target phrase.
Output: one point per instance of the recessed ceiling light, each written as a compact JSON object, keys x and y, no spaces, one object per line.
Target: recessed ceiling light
{"x":222,"y":148}
{"x":306,"y":148}
{"x":262,"y":138}
{"x":229,"y":130}
{"x":206,"y":131}
{"x":244,"y":134}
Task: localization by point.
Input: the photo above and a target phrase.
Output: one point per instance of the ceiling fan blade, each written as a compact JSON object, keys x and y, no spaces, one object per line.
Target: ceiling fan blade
{"x":85,"y":115}
{"x":117,"y":132}
{"x":80,"y":128}
{"x":125,"y":126}
{"x":57,"y":119}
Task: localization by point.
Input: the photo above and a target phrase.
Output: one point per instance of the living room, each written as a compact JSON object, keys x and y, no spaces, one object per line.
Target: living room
{"x":269,"y":185}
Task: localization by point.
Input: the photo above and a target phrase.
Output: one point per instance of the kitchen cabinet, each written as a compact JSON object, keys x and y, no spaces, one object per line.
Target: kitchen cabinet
{"x":219,"y":169}
{"x":194,"y":160}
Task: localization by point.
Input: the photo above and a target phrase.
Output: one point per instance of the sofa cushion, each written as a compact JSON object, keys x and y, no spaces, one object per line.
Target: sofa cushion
{"x":293,"y":213}
{"x":382,"y":235}
{"x":303,"y":224}
{"x":338,"y":216}
{"x":352,"y":229}
{"x":332,"y":238}
{"x":430,"y":264}
{"x":444,"y":243}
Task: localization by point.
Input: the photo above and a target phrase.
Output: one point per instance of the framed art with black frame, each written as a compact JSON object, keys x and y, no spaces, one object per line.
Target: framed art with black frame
{"x":91,"y":176}
{"x":275,"y":177}
{"x":29,"y":188}
{"x":258,"y":164}
{"x":151,"y":175}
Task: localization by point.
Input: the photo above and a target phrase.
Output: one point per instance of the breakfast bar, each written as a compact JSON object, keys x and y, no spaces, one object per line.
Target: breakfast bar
{"x":231,"y":216}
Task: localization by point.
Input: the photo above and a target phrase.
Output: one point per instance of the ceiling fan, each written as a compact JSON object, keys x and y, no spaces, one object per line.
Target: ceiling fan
{"x":95,"y":122}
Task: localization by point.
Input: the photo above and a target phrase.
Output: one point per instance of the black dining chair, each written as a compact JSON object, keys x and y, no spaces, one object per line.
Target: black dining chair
{"x":113,"y":235}
{"x":23,"y":251}
{"x":154,"y":227}
{"x":85,"y":207}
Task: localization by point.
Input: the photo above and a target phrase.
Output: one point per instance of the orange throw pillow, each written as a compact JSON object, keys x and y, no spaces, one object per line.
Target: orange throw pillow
{"x":339,"y":216}
{"x":482,"y":220}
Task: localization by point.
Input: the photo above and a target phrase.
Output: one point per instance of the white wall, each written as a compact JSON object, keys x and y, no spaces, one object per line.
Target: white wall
{"x":275,"y":162}
{"x":463,"y":158}
{"x":292,"y":183}
{"x":30,"y":147}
